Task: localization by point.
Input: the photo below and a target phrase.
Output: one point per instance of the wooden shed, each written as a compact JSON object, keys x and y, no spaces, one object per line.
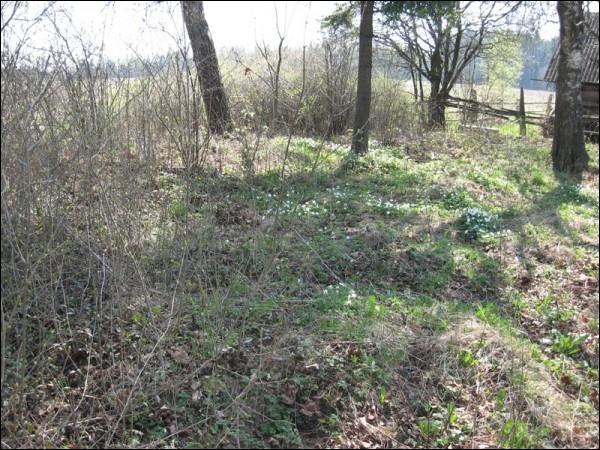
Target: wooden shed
{"x":590,"y":83}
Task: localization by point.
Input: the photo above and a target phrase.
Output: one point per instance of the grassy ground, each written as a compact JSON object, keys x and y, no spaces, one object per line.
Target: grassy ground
{"x":535,"y":100}
{"x":442,"y":293}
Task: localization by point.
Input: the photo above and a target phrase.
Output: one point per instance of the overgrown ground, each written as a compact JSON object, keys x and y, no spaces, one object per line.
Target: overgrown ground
{"x":441,"y":293}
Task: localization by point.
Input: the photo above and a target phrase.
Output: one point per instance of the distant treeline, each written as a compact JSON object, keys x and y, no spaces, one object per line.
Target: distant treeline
{"x":537,"y":53}
{"x":535,"y":56}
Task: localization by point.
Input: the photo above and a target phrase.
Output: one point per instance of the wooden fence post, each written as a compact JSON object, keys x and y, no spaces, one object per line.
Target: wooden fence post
{"x":474,"y":111}
{"x":522,"y":125}
{"x":549,"y":105}
{"x":470,"y":110}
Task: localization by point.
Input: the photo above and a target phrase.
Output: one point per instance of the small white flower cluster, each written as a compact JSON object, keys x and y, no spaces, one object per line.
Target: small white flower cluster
{"x":576,"y":192}
{"x":338,"y":192}
{"x":341,"y":290}
{"x":375,"y":146}
{"x":336,"y":199}
{"x":389,"y":206}
{"x":287,"y":206}
{"x":311,"y":208}
{"x":340,"y":198}
{"x":478,"y":223}
{"x":381,"y":160}
{"x":338,"y":148}
{"x":352,"y":296}
{"x":309,"y":142}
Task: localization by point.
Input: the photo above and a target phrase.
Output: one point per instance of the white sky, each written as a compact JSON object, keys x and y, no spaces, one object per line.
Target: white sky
{"x":153,"y":28}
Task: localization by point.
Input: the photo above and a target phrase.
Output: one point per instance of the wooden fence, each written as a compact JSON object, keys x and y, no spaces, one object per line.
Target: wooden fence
{"x":472,"y":109}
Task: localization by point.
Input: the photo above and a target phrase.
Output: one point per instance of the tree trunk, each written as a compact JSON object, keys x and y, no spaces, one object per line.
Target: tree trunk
{"x":360,"y":137}
{"x":437,"y":97}
{"x":207,"y":66}
{"x":437,"y":106}
{"x":522,"y":117}
{"x":568,"y":146}
{"x":437,"y":112}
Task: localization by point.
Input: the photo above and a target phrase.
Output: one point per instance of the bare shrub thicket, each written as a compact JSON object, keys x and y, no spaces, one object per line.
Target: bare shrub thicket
{"x":330,"y":90}
{"x":82,"y":144}
{"x":394,"y":113}
{"x":87,"y":234}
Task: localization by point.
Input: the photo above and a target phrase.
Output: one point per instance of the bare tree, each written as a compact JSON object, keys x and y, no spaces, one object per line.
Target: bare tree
{"x":568,"y":146}
{"x":337,"y":91}
{"x":274,"y":70}
{"x":437,"y":40}
{"x":360,"y":136}
{"x":207,"y":65}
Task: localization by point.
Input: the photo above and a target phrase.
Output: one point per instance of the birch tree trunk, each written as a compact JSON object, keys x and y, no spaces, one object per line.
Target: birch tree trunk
{"x":568,"y":146}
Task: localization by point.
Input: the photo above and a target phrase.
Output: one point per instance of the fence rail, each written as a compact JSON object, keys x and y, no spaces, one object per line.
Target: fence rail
{"x":475,"y":107}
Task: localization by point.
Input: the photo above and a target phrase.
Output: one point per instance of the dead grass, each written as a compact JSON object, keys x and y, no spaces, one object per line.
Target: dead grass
{"x":224,"y":310}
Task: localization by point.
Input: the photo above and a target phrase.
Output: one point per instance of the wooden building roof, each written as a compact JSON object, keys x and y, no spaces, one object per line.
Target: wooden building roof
{"x":590,"y":53}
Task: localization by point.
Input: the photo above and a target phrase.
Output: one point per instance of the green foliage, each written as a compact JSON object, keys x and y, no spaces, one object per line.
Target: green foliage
{"x":501,"y":399}
{"x":382,"y":395}
{"x":466,"y":359}
{"x":261,"y":309}
{"x":335,"y":297}
{"x":516,"y":434}
{"x":569,"y":193}
{"x":247,"y":349}
{"x":504,"y":63}
{"x":568,"y":344}
{"x":490,"y":314}
{"x":180,"y":209}
{"x":393,"y":10}
{"x":341,"y":18}
{"x":478,"y":223}
{"x":329,"y":423}
{"x":372,"y":308}
{"x":538,"y":179}
{"x":517,"y":300}
{"x":451,"y":417}
{"x":429,"y":428}
{"x":280,"y":424}
{"x":153,"y":427}
{"x":139,"y":318}
{"x":456,"y":198}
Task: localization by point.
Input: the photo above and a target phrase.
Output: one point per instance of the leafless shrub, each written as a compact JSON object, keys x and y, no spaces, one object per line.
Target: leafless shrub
{"x":395,"y":115}
{"x":92,"y":240}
